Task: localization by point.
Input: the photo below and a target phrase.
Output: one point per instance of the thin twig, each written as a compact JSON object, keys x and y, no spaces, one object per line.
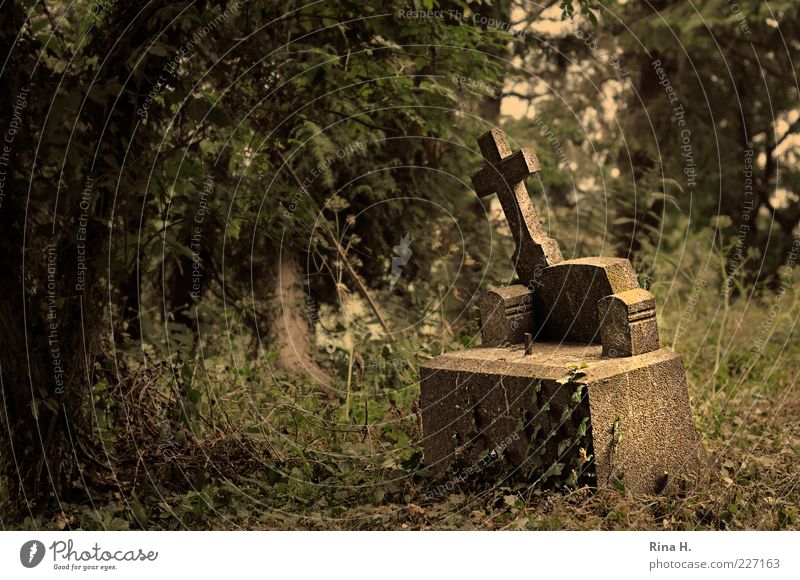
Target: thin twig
{"x":339,"y":250}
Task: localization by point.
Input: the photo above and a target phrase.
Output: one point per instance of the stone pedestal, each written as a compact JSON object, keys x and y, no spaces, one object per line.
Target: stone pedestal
{"x":563,"y":412}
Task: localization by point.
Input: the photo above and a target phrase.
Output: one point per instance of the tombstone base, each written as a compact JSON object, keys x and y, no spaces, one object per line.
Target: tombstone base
{"x":548,"y":411}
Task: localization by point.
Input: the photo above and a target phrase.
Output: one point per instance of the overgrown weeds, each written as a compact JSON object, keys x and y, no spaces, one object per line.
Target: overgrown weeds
{"x":233,"y":443}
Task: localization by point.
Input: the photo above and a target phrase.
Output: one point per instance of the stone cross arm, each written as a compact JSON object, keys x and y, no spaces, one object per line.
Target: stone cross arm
{"x":505,"y":173}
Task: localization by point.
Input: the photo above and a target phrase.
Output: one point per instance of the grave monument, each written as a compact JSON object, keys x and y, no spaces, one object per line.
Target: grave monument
{"x":571,"y":384}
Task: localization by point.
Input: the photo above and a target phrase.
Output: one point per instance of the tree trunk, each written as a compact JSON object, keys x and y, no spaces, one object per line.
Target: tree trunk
{"x":293,"y":324}
{"x":35,"y":350}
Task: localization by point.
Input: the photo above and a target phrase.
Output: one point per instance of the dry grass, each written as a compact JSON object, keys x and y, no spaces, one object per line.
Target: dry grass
{"x":264,"y":451}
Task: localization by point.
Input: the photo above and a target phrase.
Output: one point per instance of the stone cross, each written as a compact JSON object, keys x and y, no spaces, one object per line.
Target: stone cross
{"x":570,"y":384}
{"x":504,"y":173}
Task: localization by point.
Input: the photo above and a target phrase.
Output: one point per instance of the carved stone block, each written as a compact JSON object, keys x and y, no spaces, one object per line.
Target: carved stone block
{"x":631,"y":414}
{"x":628,"y":323}
{"x":506,"y":315}
{"x":567,"y":295}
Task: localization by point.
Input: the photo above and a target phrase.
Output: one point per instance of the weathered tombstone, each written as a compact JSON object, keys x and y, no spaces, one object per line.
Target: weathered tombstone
{"x":571,"y":382}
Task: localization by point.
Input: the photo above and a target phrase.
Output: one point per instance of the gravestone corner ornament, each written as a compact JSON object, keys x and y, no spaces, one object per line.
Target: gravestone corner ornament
{"x":571,"y":383}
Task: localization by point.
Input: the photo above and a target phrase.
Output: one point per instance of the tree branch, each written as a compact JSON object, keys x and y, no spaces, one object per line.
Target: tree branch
{"x":357,"y":120}
{"x":340,"y":251}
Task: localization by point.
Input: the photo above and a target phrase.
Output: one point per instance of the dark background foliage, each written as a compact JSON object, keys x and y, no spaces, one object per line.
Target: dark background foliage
{"x":202,"y":201}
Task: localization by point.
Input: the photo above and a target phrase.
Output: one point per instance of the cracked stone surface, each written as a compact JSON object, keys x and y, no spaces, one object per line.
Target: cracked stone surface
{"x":640,"y":427}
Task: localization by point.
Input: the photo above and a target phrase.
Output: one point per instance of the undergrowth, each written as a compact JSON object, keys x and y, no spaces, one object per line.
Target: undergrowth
{"x":216,"y":441}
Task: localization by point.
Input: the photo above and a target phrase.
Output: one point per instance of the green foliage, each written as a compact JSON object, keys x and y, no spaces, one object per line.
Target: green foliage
{"x":179,"y":395}
{"x":318,"y":471}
